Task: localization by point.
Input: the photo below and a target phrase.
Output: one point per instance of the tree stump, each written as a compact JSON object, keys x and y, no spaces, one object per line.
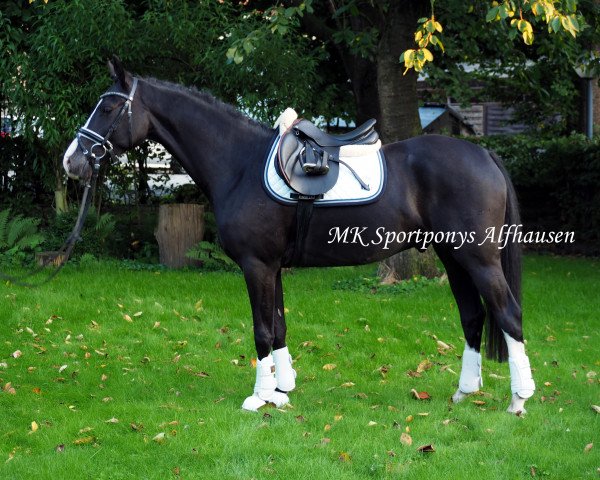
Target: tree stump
{"x":180,"y":227}
{"x":407,"y":264}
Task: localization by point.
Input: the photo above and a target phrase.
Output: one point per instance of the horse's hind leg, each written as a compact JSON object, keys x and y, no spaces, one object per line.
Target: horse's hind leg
{"x":506,"y":312}
{"x":261,"y":280}
{"x":472,"y":317}
{"x":284,"y":372}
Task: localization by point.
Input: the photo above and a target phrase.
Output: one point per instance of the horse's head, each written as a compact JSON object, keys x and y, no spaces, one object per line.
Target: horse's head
{"x":118,"y":123}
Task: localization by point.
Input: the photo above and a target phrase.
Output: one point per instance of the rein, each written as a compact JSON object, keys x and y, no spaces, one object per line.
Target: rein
{"x":95,"y":154}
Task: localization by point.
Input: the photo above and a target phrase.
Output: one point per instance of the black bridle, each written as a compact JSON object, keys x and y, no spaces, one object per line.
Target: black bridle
{"x":96,"y":153}
{"x":102,"y":143}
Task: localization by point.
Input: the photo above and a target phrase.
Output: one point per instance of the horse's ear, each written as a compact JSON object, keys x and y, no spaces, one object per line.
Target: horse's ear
{"x":118,"y":73}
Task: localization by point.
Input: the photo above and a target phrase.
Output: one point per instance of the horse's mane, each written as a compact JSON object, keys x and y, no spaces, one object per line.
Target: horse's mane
{"x":207,"y":98}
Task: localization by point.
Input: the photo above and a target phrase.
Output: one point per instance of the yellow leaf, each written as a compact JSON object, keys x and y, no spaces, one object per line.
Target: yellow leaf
{"x":329,"y":366}
{"x":84,"y":440}
{"x":127,"y":318}
{"x":34,"y":427}
{"x":344,"y":457}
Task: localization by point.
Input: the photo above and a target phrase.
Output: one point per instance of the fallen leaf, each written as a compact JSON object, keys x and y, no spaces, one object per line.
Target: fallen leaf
{"x":127,"y":318}
{"x":329,"y":366}
{"x":344,"y":457}
{"x":337,"y":418}
{"x":300,"y":419}
{"x":426,"y":449}
{"x":84,"y":440}
{"x":62,"y":368}
{"x":406,"y":439}
{"x":588,"y":447}
{"x":446,"y":422}
{"x":420,"y":395}
{"x":325,"y":440}
{"x":37,"y":390}
{"x":596,"y":408}
{"x":136,"y":427}
{"x":478,"y":402}
{"x":17,"y":353}
{"x":8,"y":388}
{"x":159,"y":437}
{"x":326,"y":428}
{"x":424,"y":365}
{"x":138,"y":314}
{"x":112,"y":420}
{"x":34,"y":427}
{"x":59,"y":448}
{"x":347,"y":384}
{"x":409,"y":419}
{"x":547,"y":384}
{"x":372,"y":423}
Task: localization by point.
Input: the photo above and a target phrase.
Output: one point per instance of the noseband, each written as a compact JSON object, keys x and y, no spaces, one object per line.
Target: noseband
{"x":102,"y":145}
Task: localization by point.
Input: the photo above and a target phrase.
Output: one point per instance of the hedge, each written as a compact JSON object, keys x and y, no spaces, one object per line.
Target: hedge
{"x":557,"y":182}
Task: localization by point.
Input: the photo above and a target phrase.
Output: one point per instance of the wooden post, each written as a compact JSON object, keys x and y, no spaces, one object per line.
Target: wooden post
{"x":180,"y":227}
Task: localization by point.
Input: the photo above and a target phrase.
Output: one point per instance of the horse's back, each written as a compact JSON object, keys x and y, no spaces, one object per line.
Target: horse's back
{"x":452,"y":180}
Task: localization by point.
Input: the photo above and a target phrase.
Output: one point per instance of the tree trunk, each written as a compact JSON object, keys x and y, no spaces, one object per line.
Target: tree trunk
{"x":60,"y":196}
{"x":398,"y":100}
{"x":180,"y":227}
{"x":399,"y":117}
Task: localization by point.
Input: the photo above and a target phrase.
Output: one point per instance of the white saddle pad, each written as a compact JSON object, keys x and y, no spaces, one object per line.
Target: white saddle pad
{"x":347,"y":191}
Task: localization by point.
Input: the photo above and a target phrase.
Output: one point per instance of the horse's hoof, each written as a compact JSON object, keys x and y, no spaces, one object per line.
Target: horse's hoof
{"x":253,"y":403}
{"x":280,"y":399}
{"x":459,"y":396}
{"x":517,"y":405}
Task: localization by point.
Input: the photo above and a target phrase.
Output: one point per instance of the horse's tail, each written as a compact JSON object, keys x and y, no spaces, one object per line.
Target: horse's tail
{"x":511,"y":265}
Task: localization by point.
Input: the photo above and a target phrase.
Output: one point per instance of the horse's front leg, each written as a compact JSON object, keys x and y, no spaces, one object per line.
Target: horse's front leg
{"x":284,"y":372}
{"x":260,"y":280}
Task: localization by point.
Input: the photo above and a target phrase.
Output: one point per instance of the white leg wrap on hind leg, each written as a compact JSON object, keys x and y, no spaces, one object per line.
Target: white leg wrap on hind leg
{"x":470,"y":374}
{"x":284,"y":372}
{"x":264,"y":388}
{"x":521,"y":380}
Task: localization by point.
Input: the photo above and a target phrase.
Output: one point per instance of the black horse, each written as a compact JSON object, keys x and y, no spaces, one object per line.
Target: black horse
{"x":434,"y":184}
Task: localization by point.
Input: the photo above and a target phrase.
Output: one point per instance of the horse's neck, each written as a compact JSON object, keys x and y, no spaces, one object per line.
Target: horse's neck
{"x":213,"y":145}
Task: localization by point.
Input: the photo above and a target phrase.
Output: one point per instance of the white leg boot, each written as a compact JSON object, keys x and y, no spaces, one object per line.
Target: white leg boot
{"x":284,"y":372}
{"x":522,"y":385}
{"x":470,"y":375}
{"x":264,"y":388}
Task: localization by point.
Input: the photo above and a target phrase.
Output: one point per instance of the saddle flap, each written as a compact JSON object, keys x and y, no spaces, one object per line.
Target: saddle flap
{"x":290,"y":154}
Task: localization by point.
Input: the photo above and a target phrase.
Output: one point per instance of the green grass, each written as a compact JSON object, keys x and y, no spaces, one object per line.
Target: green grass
{"x":151,"y":372}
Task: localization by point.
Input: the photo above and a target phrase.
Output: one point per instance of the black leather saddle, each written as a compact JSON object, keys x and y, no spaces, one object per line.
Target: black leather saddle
{"x":309,"y":159}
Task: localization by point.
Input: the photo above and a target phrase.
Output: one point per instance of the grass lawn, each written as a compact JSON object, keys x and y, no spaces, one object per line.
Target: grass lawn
{"x":141,"y":374}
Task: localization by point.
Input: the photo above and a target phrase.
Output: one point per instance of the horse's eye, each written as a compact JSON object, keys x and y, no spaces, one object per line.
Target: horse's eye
{"x":107,"y":109}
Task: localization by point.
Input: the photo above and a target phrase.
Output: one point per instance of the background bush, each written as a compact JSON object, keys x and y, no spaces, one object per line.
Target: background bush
{"x":557,"y":182}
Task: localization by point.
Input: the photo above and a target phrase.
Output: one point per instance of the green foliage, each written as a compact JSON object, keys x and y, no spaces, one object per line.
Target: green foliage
{"x":213,"y":257}
{"x":18,"y":236}
{"x":557,"y":182}
{"x":374,"y":286}
{"x":98,"y":237}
